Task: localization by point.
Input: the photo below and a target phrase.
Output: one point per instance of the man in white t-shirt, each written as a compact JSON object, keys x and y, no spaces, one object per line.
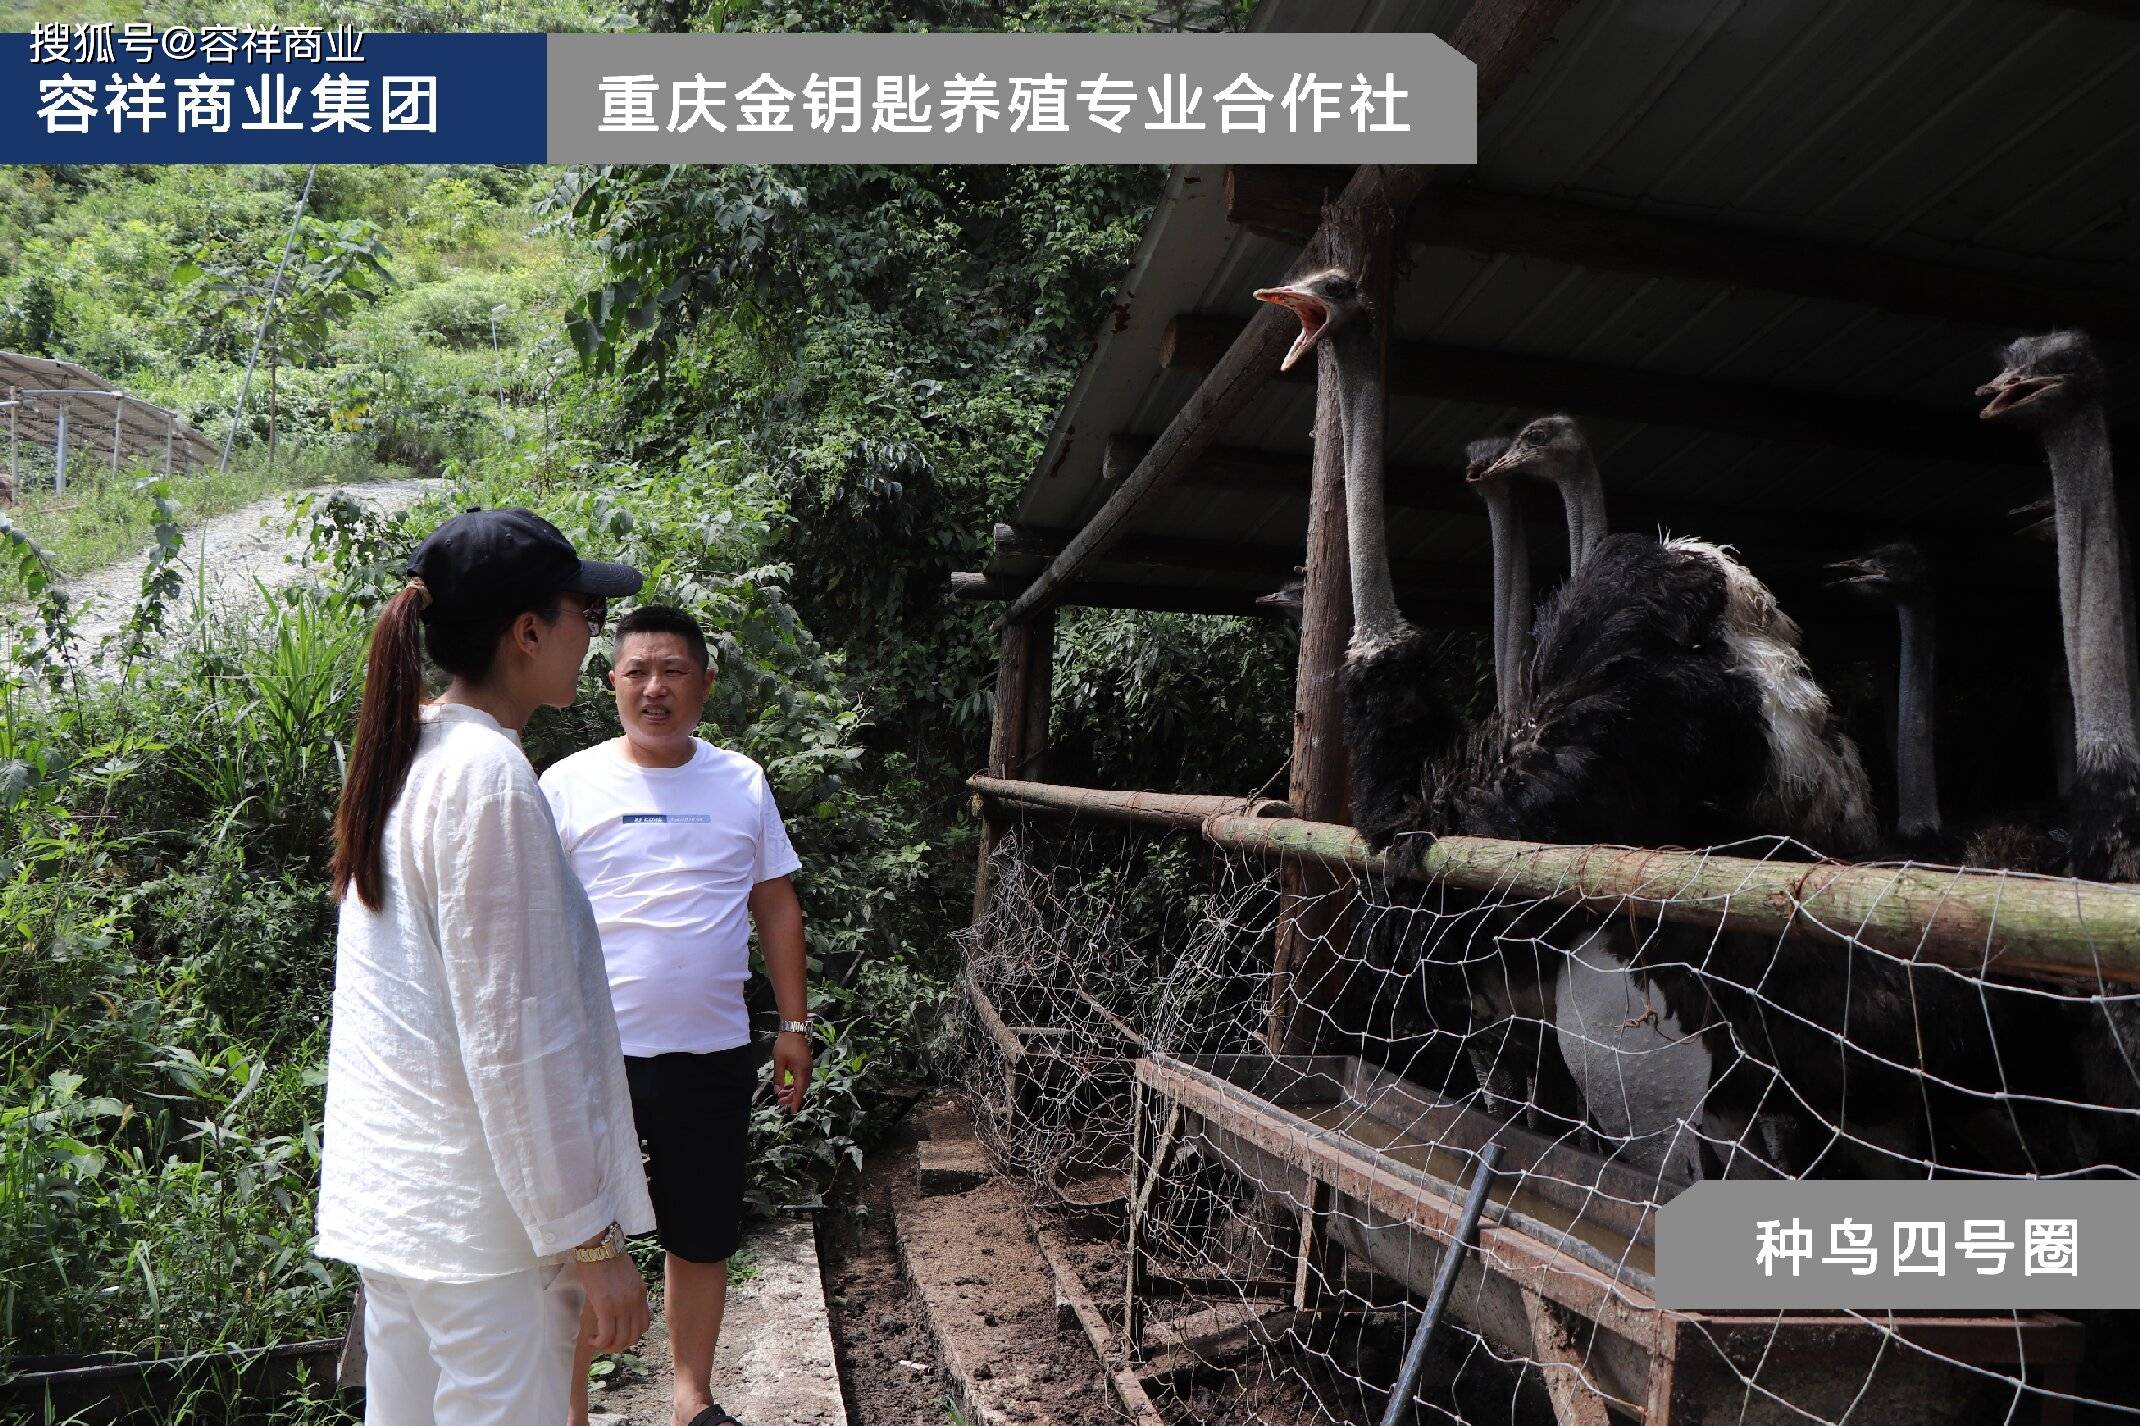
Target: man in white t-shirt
{"x":682,"y":851}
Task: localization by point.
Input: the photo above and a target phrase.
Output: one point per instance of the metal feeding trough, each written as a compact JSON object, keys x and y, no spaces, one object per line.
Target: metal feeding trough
{"x":1376,"y":1169}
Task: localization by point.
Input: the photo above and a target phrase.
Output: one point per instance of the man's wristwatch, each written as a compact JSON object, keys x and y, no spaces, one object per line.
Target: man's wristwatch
{"x":611,"y":1244}
{"x":794,"y":1027}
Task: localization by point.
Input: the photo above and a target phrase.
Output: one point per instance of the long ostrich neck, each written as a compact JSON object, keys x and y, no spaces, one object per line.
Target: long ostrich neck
{"x":1354,"y":361}
{"x":1582,"y":495}
{"x":1916,"y":776}
{"x":1512,"y":594}
{"x":2094,"y":587}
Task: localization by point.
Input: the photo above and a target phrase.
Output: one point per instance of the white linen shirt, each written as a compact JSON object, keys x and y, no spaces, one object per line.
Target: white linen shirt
{"x":478,"y":1120}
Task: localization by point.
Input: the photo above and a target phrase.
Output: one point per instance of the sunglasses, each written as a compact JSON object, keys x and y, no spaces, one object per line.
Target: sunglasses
{"x":596,"y":613}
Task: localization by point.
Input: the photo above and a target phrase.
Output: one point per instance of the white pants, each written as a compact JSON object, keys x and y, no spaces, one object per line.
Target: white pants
{"x":490,"y":1353}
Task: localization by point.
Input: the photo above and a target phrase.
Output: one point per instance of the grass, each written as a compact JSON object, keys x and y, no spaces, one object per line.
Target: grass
{"x":102,"y":519}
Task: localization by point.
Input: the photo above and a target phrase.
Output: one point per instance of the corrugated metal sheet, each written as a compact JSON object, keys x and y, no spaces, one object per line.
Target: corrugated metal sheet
{"x":1998,"y":134}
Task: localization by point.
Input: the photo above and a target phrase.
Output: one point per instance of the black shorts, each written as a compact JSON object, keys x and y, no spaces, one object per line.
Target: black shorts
{"x":693,"y":1114}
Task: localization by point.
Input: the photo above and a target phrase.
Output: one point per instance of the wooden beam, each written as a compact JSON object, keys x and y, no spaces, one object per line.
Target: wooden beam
{"x":1159,"y":552}
{"x":1103,"y":594}
{"x":1500,"y":37}
{"x":1496,"y":378}
{"x":1439,"y":490}
{"x":1152,"y":809}
{"x":1235,"y":375}
{"x":1452,"y":605}
{"x":2117,"y":9}
{"x":1982,"y":922}
{"x":1281,"y":202}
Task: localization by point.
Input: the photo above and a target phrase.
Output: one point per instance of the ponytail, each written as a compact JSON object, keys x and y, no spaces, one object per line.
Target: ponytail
{"x":385,"y":745}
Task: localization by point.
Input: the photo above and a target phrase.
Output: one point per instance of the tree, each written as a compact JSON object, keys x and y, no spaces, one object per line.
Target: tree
{"x":333,"y":267}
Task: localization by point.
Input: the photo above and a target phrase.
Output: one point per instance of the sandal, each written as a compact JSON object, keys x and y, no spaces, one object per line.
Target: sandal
{"x":715,"y":1415}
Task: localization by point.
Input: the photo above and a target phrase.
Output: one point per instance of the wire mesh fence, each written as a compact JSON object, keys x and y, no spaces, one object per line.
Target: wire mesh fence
{"x":1264,"y":1090}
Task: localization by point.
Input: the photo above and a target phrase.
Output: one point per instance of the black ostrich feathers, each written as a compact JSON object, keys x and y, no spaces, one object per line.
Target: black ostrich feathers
{"x":1640,"y":726}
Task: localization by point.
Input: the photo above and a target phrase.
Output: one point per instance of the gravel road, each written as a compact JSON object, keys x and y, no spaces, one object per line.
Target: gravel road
{"x":242,"y":546}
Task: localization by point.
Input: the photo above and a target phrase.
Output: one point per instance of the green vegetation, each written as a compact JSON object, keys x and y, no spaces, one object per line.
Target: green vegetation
{"x":416,"y":306}
{"x":796,"y":397}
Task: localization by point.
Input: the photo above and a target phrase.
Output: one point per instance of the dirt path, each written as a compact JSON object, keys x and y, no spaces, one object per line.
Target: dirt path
{"x":775,"y":1366}
{"x":247,"y":544}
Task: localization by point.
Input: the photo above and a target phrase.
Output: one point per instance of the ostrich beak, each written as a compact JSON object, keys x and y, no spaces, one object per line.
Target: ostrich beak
{"x":1314,"y":314}
{"x":1506,"y":464}
{"x":1851,"y":574}
{"x":2011,"y":390}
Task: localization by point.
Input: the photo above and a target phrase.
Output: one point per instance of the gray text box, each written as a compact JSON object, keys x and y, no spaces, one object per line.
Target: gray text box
{"x":658,"y":98}
{"x":1735,"y":1244}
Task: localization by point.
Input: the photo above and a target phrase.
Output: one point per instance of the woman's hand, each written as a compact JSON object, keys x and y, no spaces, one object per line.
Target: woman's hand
{"x":616,"y":1300}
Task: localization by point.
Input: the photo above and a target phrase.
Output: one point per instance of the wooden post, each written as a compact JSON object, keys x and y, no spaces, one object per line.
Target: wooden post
{"x":1018,"y":735}
{"x":59,"y":452}
{"x":1317,"y":785}
{"x":14,"y":445}
{"x":1039,"y":700}
{"x":118,"y":430}
{"x":1312,"y":923}
{"x":170,"y":428}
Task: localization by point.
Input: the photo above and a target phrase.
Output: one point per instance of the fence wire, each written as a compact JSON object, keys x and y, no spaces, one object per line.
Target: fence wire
{"x":1324,"y":1054}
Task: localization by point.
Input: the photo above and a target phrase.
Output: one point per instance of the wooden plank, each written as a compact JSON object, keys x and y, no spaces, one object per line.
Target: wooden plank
{"x":1127,"y":1388}
{"x":1133,"y":1264}
{"x":1357,"y":1172}
{"x":1313,"y":1269}
{"x":1984,"y":922}
{"x":1489,"y":377}
{"x":1280,"y":203}
{"x":1006,"y":1041}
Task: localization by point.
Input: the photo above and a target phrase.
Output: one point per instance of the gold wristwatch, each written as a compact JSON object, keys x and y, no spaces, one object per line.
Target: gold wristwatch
{"x":612,"y":1244}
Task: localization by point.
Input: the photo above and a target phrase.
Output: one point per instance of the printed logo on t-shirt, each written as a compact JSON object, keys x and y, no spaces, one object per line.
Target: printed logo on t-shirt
{"x":632,"y":818}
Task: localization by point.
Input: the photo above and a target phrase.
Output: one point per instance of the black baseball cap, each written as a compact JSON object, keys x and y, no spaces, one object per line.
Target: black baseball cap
{"x":490,"y":563}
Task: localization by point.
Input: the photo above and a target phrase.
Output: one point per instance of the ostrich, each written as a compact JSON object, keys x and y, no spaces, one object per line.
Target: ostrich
{"x":1814,"y":787}
{"x":1512,"y":574}
{"x":1896,"y":572}
{"x":1647,"y":715}
{"x":1553,"y":448}
{"x":1666,"y":700}
{"x":2055,"y":382}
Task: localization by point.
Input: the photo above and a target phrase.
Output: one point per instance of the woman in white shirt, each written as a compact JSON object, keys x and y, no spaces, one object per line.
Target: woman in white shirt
{"x":480,"y":1163}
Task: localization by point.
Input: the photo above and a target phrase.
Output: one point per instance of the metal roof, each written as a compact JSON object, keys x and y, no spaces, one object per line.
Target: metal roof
{"x":1998,"y":136}
{"x":34,"y":390}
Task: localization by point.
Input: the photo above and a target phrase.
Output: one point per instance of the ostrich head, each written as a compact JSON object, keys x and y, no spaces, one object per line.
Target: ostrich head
{"x":1480,"y":455}
{"x":1550,"y":448}
{"x":1894,"y":572}
{"x":2045,"y":379}
{"x":1324,"y":302}
{"x":1289,"y":599}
